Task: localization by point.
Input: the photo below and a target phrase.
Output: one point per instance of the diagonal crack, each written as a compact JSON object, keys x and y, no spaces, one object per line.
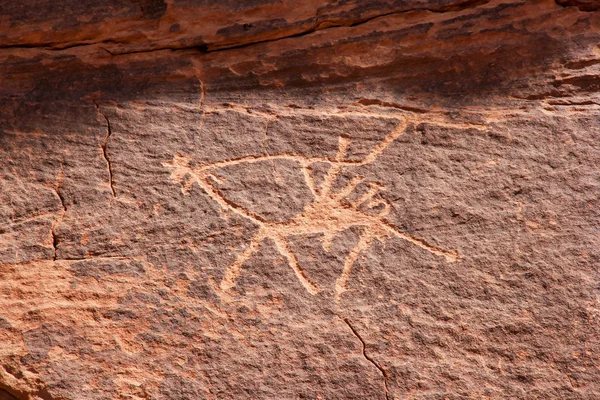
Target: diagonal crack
{"x":369,"y":358}
{"x":103,"y":146}
{"x":62,"y":199}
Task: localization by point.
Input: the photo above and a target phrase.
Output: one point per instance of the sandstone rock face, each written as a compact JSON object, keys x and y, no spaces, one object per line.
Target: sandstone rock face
{"x":267,"y":199}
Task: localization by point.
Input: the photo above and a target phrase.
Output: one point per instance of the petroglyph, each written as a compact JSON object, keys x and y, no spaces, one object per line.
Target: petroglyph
{"x":328,"y":214}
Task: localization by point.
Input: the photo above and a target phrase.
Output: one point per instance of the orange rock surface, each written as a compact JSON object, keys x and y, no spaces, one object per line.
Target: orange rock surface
{"x":274,"y":199}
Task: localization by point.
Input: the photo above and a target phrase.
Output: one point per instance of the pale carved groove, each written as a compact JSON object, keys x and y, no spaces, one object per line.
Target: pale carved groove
{"x":327,"y":215}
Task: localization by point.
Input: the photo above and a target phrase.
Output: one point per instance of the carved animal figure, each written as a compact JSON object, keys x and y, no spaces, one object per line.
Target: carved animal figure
{"x":328,"y":214}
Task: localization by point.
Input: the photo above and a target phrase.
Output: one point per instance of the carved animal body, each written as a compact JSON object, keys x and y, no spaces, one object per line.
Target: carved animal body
{"x":327,"y":215}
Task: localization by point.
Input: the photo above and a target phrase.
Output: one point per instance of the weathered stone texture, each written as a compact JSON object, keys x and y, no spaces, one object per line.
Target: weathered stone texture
{"x":299,"y":200}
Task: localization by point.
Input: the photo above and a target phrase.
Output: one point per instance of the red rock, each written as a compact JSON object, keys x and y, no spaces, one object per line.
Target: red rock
{"x":326,"y":200}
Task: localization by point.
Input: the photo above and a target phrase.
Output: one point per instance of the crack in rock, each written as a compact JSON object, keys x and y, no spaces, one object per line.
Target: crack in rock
{"x":54,"y":243}
{"x":319,"y":25}
{"x":59,"y":219}
{"x":104,"y":146}
{"x":369,"y":358}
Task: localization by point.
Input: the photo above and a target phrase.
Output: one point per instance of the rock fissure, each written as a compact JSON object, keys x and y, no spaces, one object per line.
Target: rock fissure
{"x":105,"y":153}
{"x":62,"y":200}
{"x":58,"y":220}
{"x":54,"y":244}
{"x":362,"y":21}
{"x":389,"y":104}
{"x":369,"y":358}
{"x":406,"y":174}
{"x":319,"y":25}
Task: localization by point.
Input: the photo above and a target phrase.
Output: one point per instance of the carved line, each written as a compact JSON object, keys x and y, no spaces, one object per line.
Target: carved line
{"x":363,"y":243}
{"x":325,"y":204}
{"x":450,"y":256}
{"x":283,"y":248}
{"x":234,"y":270}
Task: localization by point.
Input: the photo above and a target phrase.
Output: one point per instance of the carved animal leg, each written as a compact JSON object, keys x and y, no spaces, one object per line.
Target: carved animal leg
{"x":363,"y":243}
{"x":343,"y":144}
{"x":283,"y":248}
{"x":328,"y":237}
{"x":234,"y":270}
{"x":450,"y":256}
{"x":308,"y":178}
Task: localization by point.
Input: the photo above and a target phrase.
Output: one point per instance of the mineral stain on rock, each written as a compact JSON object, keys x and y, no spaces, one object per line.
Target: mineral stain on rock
{"x":275,"y":200}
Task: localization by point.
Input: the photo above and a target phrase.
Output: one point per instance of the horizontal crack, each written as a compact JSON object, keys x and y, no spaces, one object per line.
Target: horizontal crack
{"x":87,"y":258}
{"x":381,"y":103}
{"x":586,"y":6}
{"x":319,"y":25}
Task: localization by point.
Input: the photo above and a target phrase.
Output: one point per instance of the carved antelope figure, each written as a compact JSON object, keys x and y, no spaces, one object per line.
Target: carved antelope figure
{"x":328,"y":214}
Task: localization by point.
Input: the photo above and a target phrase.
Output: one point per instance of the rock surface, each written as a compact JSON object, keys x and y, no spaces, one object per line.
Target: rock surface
{"x":266,"y":199}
